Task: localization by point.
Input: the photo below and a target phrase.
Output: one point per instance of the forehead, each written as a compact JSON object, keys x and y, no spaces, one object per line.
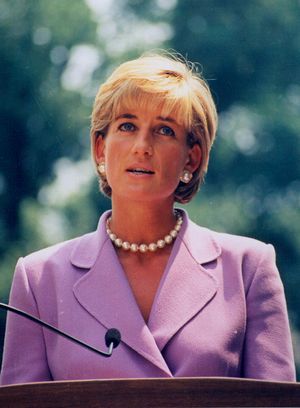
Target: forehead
{"x":159,"y":107}
{"x":138,"y":113}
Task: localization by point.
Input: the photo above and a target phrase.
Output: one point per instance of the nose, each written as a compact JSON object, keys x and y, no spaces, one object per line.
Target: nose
{"x":143,"y":143}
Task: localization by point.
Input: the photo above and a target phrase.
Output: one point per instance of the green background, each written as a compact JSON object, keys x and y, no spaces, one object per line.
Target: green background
{"x":54,"y":54}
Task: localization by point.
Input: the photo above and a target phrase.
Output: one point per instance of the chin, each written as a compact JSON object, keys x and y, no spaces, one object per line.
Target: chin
{"x":142,"y":195}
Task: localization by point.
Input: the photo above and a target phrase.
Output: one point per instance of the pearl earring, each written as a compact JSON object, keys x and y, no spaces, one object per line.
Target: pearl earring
{"x":186,"y":176}
{"x":101,"y":168}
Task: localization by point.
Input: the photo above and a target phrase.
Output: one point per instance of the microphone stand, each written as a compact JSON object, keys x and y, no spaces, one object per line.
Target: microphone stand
{"x":112,"y":337}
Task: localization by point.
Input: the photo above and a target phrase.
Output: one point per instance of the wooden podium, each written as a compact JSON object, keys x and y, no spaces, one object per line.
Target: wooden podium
{"x":140,"y":393}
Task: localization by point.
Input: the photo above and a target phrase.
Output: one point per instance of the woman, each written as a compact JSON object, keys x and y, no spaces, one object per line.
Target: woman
{"x":188,"y":301}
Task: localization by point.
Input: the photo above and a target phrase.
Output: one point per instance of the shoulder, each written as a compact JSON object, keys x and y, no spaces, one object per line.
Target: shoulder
{"x":56,"y":251}
{"x":66,"y":259}
{"x":58,"y":258}
{"x":81,"y":251}
{"x":248,"y":264}
{"x":254,"y":256}
{"x":226,"y":244}
{"x":236,"y":255}
{"x":49,"y":271}
{"x":238,"y":244}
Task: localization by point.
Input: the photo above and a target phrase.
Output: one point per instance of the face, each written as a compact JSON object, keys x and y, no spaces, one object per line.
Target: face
{"x":145,"y":154}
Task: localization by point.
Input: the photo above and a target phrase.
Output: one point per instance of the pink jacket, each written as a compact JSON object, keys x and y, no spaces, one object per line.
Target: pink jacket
{"x":219,"y":310}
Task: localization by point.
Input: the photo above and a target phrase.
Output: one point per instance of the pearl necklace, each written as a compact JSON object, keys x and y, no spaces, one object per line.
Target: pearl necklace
{"x":153,"y":246}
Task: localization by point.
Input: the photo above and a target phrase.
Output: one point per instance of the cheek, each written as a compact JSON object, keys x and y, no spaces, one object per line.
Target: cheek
{"x":116,"y":155}
{"x":174,"y":161}
{"x":111,"y":159}
{"x":112,"y":150}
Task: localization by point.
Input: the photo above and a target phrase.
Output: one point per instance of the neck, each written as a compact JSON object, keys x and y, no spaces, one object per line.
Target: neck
{"x":142,"y":222}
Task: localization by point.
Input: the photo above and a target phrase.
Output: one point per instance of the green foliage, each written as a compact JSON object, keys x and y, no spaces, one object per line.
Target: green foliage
{"x":250,"y":56}
{"x":248,"y":52}
{"x":39,"y":120}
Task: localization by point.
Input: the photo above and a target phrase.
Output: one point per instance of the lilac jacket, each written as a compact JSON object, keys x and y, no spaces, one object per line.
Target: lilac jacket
{"x":219,"y":310}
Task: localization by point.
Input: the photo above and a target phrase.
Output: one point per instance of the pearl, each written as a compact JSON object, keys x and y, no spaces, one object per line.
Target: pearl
{"x":168,"y":239}
{"x":186,"y":178}
{"x":152,"y":247}
{"x":143,"y":248}
{"x":118,"y":242}
{"x":101,"y":168}
{"x":173,"y":233}
{"x":134,"y":247}
{"x":126,"y":245}
{"x":161,"y":243}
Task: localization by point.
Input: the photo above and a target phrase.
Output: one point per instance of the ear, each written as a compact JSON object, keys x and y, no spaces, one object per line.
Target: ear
{"x":99,"y":148}
{"x":194,"y":158}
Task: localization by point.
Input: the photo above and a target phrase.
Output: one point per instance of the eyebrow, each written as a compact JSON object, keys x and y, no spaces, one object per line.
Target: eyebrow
{"x":166,"y":119}
{"x":126,"y":115}
{"x":130,"y":116}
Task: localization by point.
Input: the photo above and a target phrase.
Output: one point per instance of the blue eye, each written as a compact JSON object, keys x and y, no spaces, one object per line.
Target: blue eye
{"x":166,"y":130}
{"x":127,"y":127}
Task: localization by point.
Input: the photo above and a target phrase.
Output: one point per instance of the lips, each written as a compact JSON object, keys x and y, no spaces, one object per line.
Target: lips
{"x":139,"y":170}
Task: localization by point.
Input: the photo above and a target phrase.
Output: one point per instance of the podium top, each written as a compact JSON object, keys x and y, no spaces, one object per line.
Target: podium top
{"x":169,"y":392}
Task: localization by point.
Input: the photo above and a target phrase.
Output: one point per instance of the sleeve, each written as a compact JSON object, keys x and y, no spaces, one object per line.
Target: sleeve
{"x":268,"y":352}
{"x":24,"y":355}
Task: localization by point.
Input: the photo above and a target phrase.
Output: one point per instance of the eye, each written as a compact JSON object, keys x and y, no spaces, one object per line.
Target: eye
{"x":127,"y":127}
{"x":166,"y":130}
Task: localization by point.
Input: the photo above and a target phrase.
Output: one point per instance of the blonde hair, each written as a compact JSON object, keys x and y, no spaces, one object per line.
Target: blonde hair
{"x":173,"y":84}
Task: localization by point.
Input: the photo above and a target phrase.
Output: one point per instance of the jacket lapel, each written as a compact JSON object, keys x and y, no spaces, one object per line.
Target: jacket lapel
{"x":186,"y":286}
{"x":105,"y":293}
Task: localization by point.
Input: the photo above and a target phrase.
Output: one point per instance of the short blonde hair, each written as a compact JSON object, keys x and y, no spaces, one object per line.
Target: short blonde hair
{"x":173,"y":84}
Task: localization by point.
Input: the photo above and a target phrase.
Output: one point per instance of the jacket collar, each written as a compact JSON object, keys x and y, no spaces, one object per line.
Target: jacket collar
{"x":186,"y":287}
{"x":204,"y":249}
{"x":87,"y":248}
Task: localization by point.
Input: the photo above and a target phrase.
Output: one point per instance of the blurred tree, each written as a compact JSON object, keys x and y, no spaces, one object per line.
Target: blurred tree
{"x":248,"y":49}
{"x":40,"y":121}
{"x":250,"y":56}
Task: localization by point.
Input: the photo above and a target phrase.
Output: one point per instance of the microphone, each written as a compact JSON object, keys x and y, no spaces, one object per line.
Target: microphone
{"x":112,"y":336}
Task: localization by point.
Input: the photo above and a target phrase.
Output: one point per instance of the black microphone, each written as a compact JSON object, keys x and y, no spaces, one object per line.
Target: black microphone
{"x":112,"y":336}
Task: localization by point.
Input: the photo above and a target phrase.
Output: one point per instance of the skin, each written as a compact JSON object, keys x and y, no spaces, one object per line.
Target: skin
{"x":142,"y":138}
